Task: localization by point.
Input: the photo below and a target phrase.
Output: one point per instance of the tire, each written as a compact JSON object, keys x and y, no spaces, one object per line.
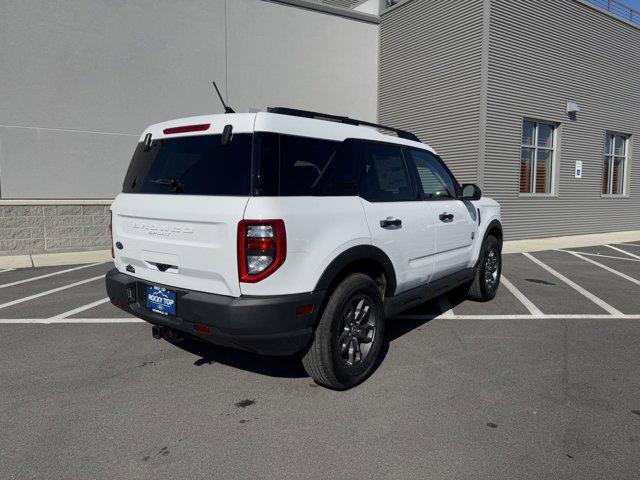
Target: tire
{"x":353,"y":318}
{"x":487,"y":280}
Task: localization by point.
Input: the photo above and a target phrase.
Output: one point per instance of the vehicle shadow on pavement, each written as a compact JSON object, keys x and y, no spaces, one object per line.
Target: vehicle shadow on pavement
{"x":291,"y":366}
{"x":284,"y":367}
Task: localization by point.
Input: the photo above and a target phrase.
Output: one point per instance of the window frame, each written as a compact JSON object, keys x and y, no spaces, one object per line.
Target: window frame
{"x":416,"y":176}
{"x":365,"y":144}
{"x":553,"y":189}
{"x":610,"y":157}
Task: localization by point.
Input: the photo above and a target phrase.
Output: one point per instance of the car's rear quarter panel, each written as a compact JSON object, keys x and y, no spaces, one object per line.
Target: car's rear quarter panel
{"x":318,"y":230}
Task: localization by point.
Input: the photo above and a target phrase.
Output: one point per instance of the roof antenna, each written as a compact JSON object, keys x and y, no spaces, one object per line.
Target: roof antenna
{"x":227,"y":109}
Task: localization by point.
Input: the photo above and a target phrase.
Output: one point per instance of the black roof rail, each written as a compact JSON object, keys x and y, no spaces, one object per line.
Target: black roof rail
{"x":336,"y":118}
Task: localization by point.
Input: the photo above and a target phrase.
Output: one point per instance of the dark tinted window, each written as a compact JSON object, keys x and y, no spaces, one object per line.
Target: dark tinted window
{"x":384,"y":176}
{"x":301,"y":166}
{"x":198,"y":165}
{"x":433,"y":177}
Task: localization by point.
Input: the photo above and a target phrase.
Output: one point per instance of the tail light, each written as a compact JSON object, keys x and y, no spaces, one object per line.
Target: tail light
{"x":113,"y":255}
{"x":262,"y":248}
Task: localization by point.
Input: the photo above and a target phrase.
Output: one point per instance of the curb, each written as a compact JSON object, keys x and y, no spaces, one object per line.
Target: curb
{"x":54,"y":259}
{"x":573,"y":241}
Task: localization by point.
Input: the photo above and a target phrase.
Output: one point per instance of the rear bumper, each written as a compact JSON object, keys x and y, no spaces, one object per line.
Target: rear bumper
{"x":266,"y":325}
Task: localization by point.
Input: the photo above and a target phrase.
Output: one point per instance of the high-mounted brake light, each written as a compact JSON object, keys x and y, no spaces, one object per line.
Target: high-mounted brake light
{"x":113,"y":255}
{"x":262,"y":248}
{"x":187,"y":128}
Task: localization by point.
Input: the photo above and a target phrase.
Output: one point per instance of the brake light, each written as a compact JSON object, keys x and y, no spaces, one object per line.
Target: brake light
{"x":187,"y":128}
{"x":113,"y":255}
{"x":262,"y":248}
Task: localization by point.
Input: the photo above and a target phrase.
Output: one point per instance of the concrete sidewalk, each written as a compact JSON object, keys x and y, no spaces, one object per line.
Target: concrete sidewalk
{"x":517,"y":246}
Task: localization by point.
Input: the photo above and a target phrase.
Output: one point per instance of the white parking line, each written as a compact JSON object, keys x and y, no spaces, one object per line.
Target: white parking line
{"x":608,"y":269}
{"x":27,"y":321}
{"x":81,"y":309}
{"x":64,"y":321}
{"x":31,"y":279}
{"x":572,"y":316}
{"x":445,"y":307}
{"x":623,"y":251}
{"x":7,"y":270}
{"x":48,"y":292}
{"x":601,"y":303}
{"x":626,"y":259}
{"x":533,"y":310}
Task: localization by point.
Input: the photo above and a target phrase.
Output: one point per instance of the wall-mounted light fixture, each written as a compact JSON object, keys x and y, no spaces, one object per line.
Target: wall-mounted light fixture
{"x":573,"y":107}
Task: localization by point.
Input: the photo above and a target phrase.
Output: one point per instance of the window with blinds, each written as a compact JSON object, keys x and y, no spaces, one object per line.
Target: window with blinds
{"x":537,"y":157}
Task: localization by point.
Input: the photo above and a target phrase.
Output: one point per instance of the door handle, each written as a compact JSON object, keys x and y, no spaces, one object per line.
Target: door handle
{"x":446,"y":217}
{"x":390,"y":222}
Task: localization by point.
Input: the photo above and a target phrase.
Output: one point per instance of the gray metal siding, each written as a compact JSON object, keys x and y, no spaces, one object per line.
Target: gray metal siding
{"x":341,"y":3}
{"x":430,"y":70}
{"x":544,"y":53}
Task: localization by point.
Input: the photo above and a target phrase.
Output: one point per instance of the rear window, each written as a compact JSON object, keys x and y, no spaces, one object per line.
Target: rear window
{"x":301,"y":166}
{"x":198,"y":165}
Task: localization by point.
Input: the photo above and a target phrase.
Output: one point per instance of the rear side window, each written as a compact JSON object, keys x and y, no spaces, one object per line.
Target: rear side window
{"x":384,"y":176}
{"x":301,"y":166}
{"x":198,"y":165}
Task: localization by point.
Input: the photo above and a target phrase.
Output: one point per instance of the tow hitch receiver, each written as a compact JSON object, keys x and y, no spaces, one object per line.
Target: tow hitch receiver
{"x":157,"y":332}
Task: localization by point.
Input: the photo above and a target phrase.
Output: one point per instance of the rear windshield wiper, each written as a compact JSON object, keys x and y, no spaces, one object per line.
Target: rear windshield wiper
{"x":172,"y":184}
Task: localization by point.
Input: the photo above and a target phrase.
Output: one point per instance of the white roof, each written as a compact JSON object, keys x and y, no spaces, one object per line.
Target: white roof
{"x":276,"y":123}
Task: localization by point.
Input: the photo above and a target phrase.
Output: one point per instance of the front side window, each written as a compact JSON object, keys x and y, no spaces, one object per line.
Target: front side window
{"x":384,"y":177}
{"x":435,"y":181}
{"x":615,"y":163}
{"x":537,"y":157}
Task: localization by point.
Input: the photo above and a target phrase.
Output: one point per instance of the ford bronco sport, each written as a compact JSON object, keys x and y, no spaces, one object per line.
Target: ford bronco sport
{"x":286,"y":231}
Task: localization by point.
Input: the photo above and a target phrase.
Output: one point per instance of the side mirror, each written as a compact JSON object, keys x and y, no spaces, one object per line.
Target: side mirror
{"x":470,"y":191}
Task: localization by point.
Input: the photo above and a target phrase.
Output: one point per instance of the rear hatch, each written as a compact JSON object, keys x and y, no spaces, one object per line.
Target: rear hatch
{"x":184,"y":194}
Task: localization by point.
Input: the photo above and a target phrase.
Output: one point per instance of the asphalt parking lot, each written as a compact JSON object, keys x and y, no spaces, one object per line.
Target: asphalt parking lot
{"x":542,"y":382}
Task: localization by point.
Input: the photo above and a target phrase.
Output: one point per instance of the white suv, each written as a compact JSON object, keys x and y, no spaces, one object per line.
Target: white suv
{"x":287,"y":232}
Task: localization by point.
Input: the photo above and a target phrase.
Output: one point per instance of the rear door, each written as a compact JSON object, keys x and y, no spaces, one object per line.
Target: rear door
{"x":398,"y":224}
{"x":455,"y":220}
{"x":176,"y":221}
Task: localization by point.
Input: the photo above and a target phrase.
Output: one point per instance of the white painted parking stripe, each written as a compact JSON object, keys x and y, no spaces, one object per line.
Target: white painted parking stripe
{"x":608,"y":269}
{"x":623,"y":251}
{"x":554,"y":316}
{"x":533,"y":310}
{"x":626,"y":259}
{"x":601,"y":303}
{"x":49,"y":292}
{"x":445,"y":307}
{"x":60,"y":272}
{"x":81,"y":309}
{"x":27,"y":321}
{"x":7,"y":270}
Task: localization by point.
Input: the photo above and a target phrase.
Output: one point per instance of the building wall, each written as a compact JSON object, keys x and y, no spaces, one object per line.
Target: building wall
{"x":430,"y":68}
{"x":32,"y":227}
{"x":81,"y":80}
{"x":544,"y":53}
{"x":341,"y":3}
{"x":464,"y":74}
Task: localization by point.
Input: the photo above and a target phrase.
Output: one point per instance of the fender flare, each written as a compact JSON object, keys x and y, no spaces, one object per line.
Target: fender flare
{"x":495,"y":223}
{"x":354,"y":254}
